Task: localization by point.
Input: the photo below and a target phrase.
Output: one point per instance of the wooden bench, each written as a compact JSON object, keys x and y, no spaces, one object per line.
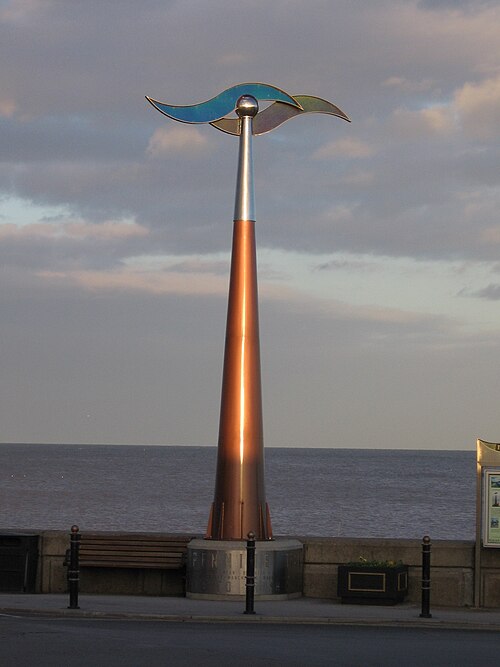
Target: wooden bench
{"x":134,"y":550}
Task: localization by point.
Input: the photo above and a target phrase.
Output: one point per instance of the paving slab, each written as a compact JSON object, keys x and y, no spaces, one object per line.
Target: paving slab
{"x":302,"y":610}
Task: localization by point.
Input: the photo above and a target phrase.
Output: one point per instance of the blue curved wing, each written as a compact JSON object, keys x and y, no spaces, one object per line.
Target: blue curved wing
{"x":223,"y":103}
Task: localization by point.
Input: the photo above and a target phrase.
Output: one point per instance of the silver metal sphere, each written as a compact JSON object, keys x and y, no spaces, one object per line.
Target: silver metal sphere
{"x":247,"y":106}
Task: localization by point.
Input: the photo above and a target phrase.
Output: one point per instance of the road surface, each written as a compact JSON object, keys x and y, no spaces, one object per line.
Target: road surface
{"x":42,"y":642}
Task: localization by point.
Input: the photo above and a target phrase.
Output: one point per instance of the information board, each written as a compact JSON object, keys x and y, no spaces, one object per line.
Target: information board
{"x":491,"y":507}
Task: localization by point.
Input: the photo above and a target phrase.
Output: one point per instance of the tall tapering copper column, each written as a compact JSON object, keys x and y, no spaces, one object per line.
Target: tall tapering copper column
{"x":239,"y":504}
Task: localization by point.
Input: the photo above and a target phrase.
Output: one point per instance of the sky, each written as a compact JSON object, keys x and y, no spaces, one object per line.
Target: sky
{"x":378,"y":240}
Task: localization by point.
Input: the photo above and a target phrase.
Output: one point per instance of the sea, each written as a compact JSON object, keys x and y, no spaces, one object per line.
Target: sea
{"x":310,"y":492}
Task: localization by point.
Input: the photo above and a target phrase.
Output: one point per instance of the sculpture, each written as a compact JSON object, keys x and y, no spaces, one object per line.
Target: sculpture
{"x":239,"y":505}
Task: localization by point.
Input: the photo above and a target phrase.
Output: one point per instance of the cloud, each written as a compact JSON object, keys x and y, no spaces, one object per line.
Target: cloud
{"x":77,"y":230}
{"x":355,"y":265}
{"x":133,"y":280}
{"x":203,"y":283}
{"x":491,"y":292}
{"x":359,"y":179}
{"x":7,"y":107}
{"x":491,"y":235}
{"x":340,"y":213}
{"x":232,"y":59}
{"x":478,"y":106}
{"x":175,"y":141}
{"x":350,"y":147}
{"x":409,"y":86}
{"x":468,"y":5}
{"x":474,"y":109}
{"x":423,"y":123}
{"x":437,"y":119}
{"x":197,"y":265}
{"x":16,"y":11}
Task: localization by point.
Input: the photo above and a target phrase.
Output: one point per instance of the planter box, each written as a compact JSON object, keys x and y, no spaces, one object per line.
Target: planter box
{"x":372,"y":585}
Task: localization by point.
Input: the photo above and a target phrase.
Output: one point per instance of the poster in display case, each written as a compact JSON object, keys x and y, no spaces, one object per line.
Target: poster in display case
{"x":491,"y":507}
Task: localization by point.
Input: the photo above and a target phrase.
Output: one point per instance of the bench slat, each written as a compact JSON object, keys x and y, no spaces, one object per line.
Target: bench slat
{"x":126,"y":547}
{"x":135,"y":564}
{"x":131,"y":555}
{"x":121,"y":539}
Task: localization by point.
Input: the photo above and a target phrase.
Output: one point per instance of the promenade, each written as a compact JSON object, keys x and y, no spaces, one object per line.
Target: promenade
{"x":299,"y":611}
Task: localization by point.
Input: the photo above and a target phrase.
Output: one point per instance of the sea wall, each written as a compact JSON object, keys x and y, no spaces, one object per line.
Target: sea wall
{"x":452,"y":566}
{"x":52,"y":573}
{"x":452,"y":569}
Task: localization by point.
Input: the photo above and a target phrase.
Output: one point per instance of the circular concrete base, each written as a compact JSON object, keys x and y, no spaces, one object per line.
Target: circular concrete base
{"x":216,"y":569}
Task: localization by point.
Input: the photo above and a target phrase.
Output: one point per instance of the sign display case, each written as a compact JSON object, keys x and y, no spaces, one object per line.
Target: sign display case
{"x":491,"y":507}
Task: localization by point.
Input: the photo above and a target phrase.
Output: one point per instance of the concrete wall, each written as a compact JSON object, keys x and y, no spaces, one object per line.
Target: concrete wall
{"x":452,"y":569}
{"x":452,"y":564}
{"x":52,"y":574}
{"x":490,"y":577}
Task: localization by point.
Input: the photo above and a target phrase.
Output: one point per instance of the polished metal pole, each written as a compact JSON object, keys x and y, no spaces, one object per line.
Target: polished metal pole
{"x":244,"y":204}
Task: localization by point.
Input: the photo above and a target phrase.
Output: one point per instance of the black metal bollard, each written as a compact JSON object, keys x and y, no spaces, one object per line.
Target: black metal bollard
{"x":426,"y":577}
{"x":74,"y":568}
{"x":250,"y":577}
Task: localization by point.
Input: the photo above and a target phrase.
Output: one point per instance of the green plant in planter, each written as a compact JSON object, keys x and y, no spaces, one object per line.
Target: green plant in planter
{"x":363,"y":562}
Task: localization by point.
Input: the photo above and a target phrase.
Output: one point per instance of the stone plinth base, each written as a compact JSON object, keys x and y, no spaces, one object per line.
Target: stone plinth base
{"x":216,"y":569}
